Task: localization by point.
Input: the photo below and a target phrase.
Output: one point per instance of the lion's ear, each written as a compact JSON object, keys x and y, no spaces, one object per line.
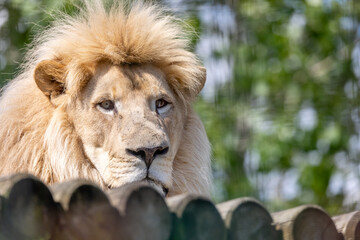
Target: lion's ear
{"x":202,"y":80}
{"x":193,"y":91}
{"x":49,"y":76}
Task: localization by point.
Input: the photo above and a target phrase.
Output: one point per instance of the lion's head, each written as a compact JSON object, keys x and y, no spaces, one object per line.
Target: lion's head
{"x":106,"y":95}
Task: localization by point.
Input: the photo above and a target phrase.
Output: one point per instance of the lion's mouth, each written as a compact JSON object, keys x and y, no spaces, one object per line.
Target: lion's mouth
{"x":163,"y":190}
{"x":157,"y":184}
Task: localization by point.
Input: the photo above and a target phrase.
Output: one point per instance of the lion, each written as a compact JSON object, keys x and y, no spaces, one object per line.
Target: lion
{"x":106,"y":95}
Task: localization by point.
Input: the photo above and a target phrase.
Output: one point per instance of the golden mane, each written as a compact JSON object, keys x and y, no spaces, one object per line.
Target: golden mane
{"x":136,"y":34}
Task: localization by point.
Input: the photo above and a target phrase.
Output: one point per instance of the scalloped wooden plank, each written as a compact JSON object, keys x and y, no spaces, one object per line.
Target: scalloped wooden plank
{"x":195,"y":218}
{"x":306,"y":222}
{"x":248,"y":219}
{"x":144,"y":212}
{"x":28,"y":209}
{"x":87,"y":212}
{"x":349,"y":225}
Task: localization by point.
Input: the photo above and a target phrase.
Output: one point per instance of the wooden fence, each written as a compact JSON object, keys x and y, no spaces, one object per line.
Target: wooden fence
{"x":80,"y":210}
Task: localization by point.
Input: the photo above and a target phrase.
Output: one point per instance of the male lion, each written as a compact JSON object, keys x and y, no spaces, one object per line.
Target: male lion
{"x":106,"y":96}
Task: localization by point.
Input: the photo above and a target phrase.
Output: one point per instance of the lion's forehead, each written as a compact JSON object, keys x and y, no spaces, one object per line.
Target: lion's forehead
{"x":121,"y":81}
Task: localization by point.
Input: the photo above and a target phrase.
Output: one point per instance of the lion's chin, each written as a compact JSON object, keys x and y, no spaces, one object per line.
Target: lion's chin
{"x":162,"y":190}
{"x":157,"y":185}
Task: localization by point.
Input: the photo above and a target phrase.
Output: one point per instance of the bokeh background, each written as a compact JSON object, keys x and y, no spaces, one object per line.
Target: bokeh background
{"x":281,"y":102}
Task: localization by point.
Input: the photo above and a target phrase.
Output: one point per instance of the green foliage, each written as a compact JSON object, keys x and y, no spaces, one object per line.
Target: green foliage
{"x":286,"y":105}
{"x":22,"y":19}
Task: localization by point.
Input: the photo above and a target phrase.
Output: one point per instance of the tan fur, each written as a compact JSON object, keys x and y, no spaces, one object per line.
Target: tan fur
{"x":51,"y":123}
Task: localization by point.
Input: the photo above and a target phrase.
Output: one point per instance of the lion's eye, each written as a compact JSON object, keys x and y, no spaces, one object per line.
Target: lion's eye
{"x":107,"y":105}
{"x":160,"y":103}
{"x":162,"y":106}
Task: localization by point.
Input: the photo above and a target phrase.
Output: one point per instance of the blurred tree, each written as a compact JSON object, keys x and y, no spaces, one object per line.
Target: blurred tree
{"x":287,"y":117}
{"x":19,"y":21}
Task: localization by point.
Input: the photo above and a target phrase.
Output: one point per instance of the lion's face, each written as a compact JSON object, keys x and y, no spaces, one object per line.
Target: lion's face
{"x":129,"y":121}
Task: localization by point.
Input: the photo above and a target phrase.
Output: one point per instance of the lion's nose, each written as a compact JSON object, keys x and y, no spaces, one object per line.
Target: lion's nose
{"x":148,"y":154}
